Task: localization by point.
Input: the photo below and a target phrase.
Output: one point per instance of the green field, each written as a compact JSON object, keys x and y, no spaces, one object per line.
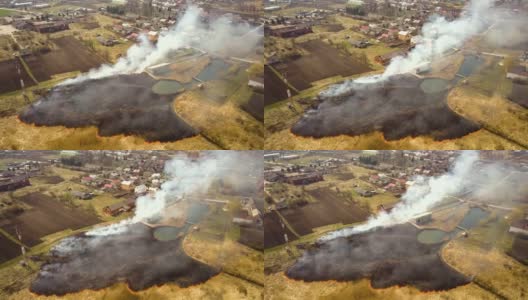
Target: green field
{"x":6,"y":12}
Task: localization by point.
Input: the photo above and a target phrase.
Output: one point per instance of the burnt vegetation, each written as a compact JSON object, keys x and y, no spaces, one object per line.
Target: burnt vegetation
{"x":389,"y":257}
{"x":135,"y":257}
{"x":399,"y":107}
{"x":123,"y":104}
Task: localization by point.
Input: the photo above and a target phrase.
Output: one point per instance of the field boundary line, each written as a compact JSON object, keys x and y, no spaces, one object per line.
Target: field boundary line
{"x":283,"y":80}
{"x":10,"y":237}
{"x":287,"y":224}
{"x":28,"y":70}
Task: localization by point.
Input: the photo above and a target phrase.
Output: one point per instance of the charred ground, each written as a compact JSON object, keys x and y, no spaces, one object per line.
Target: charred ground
{"x":122,"y":104}
{"x":389,"y":256}
{"x":136,"y":257}
{"x":401,"y":106}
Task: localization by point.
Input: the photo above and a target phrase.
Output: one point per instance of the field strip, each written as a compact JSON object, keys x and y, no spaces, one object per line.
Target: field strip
{"x":10,"y":237}
{"x":288,"y":224}
{"x":283,"y":80}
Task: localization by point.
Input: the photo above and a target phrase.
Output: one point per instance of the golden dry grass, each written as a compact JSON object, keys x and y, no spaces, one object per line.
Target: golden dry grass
{"x":494,"y":113}
{"x":481,"y":139}
{"x":184,"y":71}
{"x":17,"y":135}
{"x":227,"y":125}
{"x":219,"y":287}
{"x":491,"y":268}
{"x":279,"y":287}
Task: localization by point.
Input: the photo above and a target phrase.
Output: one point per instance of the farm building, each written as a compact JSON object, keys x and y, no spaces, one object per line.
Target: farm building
{"x":518,"y":73}
{"x":288,"y":31}
{"x":303,"y":179}
{"x":127,"y":185}
{"x":48,"y":27}
{"x":386,"y":58}
{"x":404,"y":36}
{"x":256,"y":83}
{"x":424,"y":218}
{"x":520,"y":227}
{"x":13,"y":183}
{"x":83,"y":195}
{"x":121,"y":207}
{"x":386,"y":207}
{"x":365,"y":193}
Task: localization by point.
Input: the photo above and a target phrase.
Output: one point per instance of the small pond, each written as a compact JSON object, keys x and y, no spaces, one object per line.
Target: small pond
{"x":168,"y":87}
{"x":214,"y":70}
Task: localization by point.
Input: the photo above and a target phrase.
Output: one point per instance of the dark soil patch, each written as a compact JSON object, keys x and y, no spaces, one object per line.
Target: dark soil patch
{"x":252,"y":237}
{"x":332,"y":27}
{"x":330,"y":208}
{"x":8,"y":249}
{"x":344,"y":176}
{"x":70,"y":56}
{"x":274,"y":231}
{"x":519,"y":94}
{"x":135,"y":257}
{"x":255,"y":106}
{"x":519,"y":250}
{"x":323,"y":61}
{"x":9,"y":78}
{"x":276,"y":89}
{"x":51,"y":179}
{"x":46,"y":216}
{"x":90,"y":25}
{"x":398,"y":107}
{"x":389,"y":257}
{"x":123,"y":104}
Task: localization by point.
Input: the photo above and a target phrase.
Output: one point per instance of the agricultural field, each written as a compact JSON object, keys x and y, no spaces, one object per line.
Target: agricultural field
{"x":330,"y":208}
{"x":320,"y":62}
{"x":70,"y":55}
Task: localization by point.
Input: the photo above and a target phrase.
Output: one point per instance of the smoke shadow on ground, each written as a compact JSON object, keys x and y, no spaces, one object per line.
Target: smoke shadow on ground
{"x":401,"y":106}
{"x":389,"y":257}
{"x":123,"y":104}
{"x":135,"y":256}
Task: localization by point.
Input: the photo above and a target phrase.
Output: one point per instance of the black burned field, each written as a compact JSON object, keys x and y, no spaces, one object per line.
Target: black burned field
{"x":323,"y":61}
{"x":389,"y":257}
{"x":71,"y":55}
{"x":46,"y":216}
{"x":123,"y":104}
{"x":94,"y":262}
{"x":400,"y":106}
{"x":330,"y":208}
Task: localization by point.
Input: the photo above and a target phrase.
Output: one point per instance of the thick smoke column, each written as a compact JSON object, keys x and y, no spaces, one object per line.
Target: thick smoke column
{"x":221,"y":37}
{"x":422,"y":196}
{"x":438,"y":36}
{"x":185,"y":178}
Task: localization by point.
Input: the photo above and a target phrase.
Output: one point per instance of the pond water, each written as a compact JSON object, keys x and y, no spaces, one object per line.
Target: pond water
{"x":167,"y":233}
{"x":470,"y":220}
{"x":213,"y":70}
{"x":470,"y":64}
{"x":168,"y":87}
{"x":432,"y":236}
{"x":434,"y":85}
{"x":473,"y":217}
{"x":196,"y":212}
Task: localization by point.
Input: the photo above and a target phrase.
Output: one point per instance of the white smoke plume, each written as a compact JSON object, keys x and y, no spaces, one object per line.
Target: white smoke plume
{"x":420,"y":197}
{"x":185,"y":178}
{"x":438,"y":37}
{"x":220,"y":37}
